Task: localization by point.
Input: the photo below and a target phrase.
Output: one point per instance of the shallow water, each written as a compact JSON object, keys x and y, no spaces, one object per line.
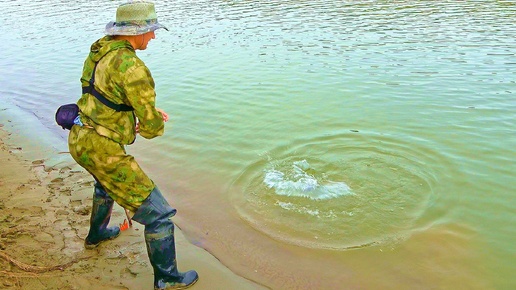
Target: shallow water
{"x":314,"y":144}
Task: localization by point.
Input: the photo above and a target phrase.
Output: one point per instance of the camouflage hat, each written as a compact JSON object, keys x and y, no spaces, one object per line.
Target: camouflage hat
{"x":134,"y":18}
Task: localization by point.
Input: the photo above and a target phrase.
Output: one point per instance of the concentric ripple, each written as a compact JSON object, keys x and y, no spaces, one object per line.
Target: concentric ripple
{"x":338,"y":192}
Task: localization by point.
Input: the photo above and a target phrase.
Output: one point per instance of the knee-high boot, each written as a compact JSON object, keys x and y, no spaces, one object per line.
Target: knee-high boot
{"x":155,"y":214}
{"x":100,"y":216}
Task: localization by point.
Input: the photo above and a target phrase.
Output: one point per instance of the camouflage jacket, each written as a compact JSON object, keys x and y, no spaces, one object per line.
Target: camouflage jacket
{"x":122,"y":78}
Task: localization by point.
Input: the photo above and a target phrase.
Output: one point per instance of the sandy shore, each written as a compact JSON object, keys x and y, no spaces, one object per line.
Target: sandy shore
{"x":44,"y":218}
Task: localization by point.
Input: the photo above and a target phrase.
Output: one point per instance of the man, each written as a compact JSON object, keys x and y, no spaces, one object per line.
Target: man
{"x":118,"y":102}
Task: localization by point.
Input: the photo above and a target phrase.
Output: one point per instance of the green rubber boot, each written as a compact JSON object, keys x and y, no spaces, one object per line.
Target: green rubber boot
{"x":100,"y":216}
{"x":155,"y":214}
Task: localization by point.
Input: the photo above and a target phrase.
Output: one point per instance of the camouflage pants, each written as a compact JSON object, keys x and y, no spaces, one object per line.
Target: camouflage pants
{"x":111,"y":166}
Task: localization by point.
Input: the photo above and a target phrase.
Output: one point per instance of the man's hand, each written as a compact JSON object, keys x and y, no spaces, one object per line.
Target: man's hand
{"x":163,"y":114}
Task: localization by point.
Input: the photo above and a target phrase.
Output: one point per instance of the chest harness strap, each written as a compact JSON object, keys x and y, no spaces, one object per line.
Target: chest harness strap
{"x":92,"y":91}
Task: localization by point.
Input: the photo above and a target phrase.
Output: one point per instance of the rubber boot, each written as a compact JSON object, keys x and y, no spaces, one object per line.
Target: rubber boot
{"x":155,"y":214}
{"x":100,"y":216}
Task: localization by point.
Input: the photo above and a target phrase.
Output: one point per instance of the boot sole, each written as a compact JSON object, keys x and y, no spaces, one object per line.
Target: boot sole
{"x":93,"y":246}
{"x":178,"y":287}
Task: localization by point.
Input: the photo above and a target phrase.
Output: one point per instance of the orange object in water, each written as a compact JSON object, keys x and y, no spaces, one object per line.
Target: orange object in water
{"x":124,"y":226}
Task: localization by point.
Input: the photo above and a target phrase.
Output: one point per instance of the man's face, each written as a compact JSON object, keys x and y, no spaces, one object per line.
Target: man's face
{"x":146,"y":38}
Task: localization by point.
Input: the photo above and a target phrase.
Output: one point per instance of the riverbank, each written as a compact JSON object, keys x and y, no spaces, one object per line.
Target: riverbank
{"x":45,"y":204}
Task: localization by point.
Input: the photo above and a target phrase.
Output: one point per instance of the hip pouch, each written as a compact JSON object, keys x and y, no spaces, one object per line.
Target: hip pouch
{"x":66,"y":114}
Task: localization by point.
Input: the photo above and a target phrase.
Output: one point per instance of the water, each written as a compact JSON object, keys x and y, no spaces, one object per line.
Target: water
{"x":314,"y":144}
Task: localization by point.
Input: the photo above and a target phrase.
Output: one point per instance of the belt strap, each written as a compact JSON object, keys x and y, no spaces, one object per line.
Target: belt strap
{"x":117,"y":107}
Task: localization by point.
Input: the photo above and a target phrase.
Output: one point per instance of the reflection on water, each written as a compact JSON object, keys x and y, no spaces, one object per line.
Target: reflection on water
{"x":306,"y":125}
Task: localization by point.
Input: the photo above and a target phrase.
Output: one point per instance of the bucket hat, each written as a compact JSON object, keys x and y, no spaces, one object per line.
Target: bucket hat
{"x":134,"y":18}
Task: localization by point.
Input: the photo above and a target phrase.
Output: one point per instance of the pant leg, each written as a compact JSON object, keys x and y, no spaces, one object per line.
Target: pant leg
{"x":119,"y":173}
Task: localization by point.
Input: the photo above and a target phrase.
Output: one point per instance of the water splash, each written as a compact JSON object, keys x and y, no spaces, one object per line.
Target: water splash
{"x":300,"y":183}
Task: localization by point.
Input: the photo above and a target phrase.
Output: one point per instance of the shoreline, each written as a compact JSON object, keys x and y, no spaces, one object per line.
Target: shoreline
{"x":45,"y":202}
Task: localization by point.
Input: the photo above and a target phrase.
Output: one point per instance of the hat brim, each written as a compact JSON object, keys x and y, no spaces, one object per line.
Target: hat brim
{"x":113,"y":29}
